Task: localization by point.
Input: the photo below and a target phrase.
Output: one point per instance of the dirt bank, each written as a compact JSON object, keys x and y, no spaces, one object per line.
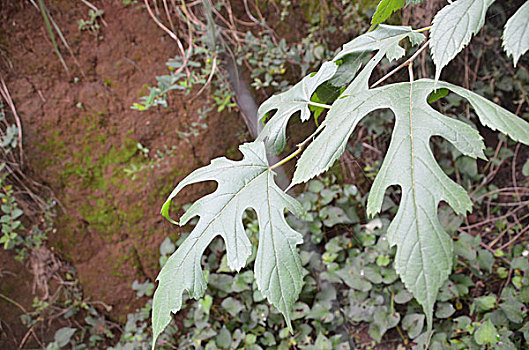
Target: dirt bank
{"x":81,"y":137}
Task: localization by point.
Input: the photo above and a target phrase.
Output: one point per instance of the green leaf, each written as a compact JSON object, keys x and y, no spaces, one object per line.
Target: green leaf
{"x":525,"y":331}
{"x":520,"y":263}
{"x":444,"y":310}
{"x":486,"y":334}
{"x":525,"y":168}
{"x":466,"y":246}
{"x":385,"y":39}
{"x":424,"y":250}
{"x":241,"y":185}
{"x":402,"y":297}
{"x":322,"y":342}
{"x":413,"y":324}
{"x":16,"y":213}
{"x":513,"y":309}
{"x":516,"y":33}
{"x":223,"y":339}
{"x":232,"y":305}
{"x":486,"y":260}
{"x":385,"y":9}
{"x":483,"y":303}
{"x":289,"y":102}
{"x":167,"y":247}
{"x":62,"y":336}
{"x":453,"y":28}
{"x":437,"y":94}
{"x":353,"y":280}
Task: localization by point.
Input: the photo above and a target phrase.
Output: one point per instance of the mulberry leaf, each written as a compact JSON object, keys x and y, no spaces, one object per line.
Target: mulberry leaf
{"x":424,"y":249}
{"x":244,"y":184}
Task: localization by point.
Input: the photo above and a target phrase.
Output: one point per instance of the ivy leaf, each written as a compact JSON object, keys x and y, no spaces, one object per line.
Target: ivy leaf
{"x":385,"y":39}
{"x":486,"y":334}
{"x":289,"y":102}
{"x":453,"y":28}
{"x":241,"y":185}
{"x":385,"y":9}
{"x":424,"y":250}
{"x":413,"y":324}
{"x":516,"y":33}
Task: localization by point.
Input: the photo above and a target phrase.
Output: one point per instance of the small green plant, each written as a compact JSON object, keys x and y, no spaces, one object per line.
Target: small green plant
{"x":193,"y":129}
{"x":159,"y":157}
{"x":92,"y":23}
{"x":158,"y":95}
{"x":424,"y":251}
{"x":10,"y":220}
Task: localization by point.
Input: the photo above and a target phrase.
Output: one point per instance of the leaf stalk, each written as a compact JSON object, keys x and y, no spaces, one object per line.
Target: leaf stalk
{"x":425,"y":29}
{"x":289,"y":157}
{"x":322,"y":105}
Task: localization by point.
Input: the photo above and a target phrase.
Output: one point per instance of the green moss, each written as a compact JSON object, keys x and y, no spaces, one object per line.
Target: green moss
{"x":130,"y":258}
{"x":102,"y":216}
{"x":96,"y":168}
{"x":135,"y":213}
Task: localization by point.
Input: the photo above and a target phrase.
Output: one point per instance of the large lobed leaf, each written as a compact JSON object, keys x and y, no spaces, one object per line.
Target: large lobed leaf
{"x":516,"y":34}
{"x":424,"y":250}
{"x":242,"y":184}
{"x":453,"y":28}
{"x":385,"y":40}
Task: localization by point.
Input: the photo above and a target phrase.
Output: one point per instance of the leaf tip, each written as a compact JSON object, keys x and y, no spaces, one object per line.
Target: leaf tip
{"x":165,"y":212}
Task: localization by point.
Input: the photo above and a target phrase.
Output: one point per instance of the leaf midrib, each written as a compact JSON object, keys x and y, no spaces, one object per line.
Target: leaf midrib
{"x":273,"y":242}
{"x":415,"y":204}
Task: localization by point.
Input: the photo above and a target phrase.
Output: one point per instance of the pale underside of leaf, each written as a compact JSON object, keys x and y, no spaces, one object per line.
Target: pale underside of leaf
{"x":289,"y":102}
{"x":424,"y":250}
{"x":241,"y":185}
{"x":385,"y":39}
{"x":516,"y":33}
{"x":453,"y":28}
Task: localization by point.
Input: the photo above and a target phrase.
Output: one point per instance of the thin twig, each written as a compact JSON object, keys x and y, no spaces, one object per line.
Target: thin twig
{"x":524,"y":230}
{"x":213,"y":70}
{"x":5,"y":94}
{"x":404,"y":64}
{"x":168,"y":14}
{"x":164,"y":28}
{"x":8,"y":299}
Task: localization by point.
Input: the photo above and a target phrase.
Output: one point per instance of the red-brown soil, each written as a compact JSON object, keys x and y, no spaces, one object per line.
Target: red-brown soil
{"x":81,"y":135}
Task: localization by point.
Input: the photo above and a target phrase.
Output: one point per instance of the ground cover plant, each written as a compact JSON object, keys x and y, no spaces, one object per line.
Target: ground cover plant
{"x":424,"y":254}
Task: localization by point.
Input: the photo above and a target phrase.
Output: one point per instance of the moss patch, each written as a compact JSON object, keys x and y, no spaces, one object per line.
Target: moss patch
{"x":87,"y":160}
